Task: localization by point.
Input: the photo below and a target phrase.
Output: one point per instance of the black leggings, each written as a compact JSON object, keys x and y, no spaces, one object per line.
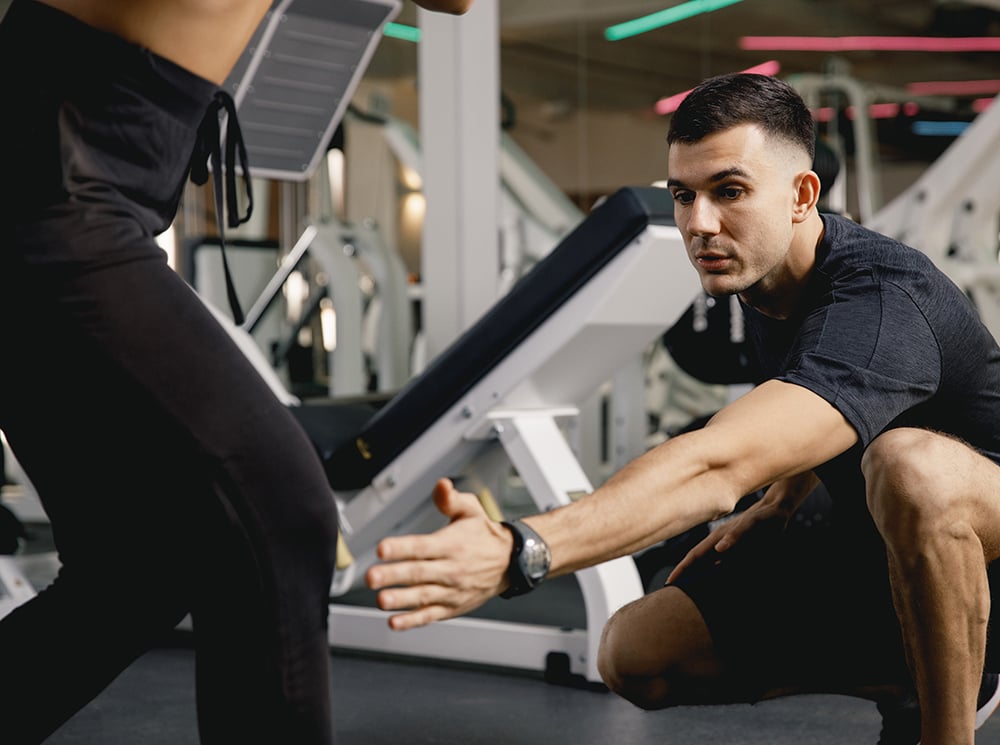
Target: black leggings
{"x":174,"y":481}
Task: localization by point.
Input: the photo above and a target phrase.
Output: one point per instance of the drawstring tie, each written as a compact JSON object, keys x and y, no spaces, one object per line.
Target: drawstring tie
{"x":209,"y":147}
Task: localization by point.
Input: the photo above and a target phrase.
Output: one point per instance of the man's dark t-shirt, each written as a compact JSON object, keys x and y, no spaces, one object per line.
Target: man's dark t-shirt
{"x":890,"y":341}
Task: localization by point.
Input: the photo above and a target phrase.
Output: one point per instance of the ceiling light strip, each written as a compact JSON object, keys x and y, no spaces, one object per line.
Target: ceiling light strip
{"x":664,"y":18}
{"x":401,"y":31}
{"x":926,"y":128}
{"x":875,"y":111}
{"x":870,"y":43}
{"x":954,"y":87}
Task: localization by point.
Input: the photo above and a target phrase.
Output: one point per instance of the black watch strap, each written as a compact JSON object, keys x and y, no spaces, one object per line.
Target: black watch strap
{"x":529,"y":560}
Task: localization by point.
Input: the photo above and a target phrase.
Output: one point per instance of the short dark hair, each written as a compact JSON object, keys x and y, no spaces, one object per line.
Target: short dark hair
{"x":730,"y":100}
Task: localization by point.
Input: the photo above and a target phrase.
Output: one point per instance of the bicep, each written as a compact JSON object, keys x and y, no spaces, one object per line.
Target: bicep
{"x":775,"y":431}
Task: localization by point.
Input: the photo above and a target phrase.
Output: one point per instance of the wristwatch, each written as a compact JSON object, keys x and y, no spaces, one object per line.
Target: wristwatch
{"x":529,"y":560}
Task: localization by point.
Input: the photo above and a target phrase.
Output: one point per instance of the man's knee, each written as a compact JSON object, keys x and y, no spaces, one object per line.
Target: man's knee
{"x":898,"y":453}
{"x":911,"y":480}
{"x":656,"y":651}
{"x":619,"y":662}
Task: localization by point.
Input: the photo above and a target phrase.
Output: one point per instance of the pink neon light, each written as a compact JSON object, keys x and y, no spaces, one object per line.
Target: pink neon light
{"x":669,"y":104}
{"x":871,"y":43}
{"x":954,"y":87}
{"x":824,"y":114}
{"x":981,"y":104}
{"x":875,"y":111}
{"x":880,"y":110}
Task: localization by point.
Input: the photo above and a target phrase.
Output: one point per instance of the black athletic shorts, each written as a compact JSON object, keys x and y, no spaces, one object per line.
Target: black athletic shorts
{"x":805,"y":607}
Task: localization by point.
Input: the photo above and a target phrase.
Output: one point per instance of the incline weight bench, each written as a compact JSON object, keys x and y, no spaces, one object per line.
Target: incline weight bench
{"x":14,"y":586}
{"x":495,"y":396}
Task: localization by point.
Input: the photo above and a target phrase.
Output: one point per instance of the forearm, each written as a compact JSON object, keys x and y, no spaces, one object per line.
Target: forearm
{"x":659,"y":495}
{"x":756,"y":441}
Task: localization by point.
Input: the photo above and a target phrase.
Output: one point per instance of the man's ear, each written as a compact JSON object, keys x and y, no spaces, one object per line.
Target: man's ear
{"x":806,"y":195}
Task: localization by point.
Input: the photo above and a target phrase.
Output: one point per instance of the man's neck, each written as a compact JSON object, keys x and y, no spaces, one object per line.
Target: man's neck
{"x":783,"y":303}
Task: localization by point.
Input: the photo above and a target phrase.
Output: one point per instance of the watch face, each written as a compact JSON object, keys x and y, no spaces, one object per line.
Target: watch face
{"x":535,"y":559}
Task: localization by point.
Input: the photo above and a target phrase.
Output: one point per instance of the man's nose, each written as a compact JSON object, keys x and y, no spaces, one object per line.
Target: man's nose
{"x":703,"y":218}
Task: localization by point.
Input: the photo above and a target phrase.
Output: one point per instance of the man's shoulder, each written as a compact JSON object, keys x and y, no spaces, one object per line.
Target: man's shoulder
{"x":848,"y":247}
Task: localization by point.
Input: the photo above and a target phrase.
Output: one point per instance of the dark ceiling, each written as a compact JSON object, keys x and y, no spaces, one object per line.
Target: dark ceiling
{"x":556,"y":50}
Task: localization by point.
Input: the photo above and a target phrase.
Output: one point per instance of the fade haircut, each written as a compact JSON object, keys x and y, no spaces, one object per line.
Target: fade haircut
{"x":727,"y":101}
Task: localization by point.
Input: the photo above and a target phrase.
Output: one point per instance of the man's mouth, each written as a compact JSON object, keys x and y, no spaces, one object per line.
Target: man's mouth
{"x":711,"y":261}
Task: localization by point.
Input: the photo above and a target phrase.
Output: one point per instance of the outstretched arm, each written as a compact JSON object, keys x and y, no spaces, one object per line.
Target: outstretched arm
{"x":775,"y":431}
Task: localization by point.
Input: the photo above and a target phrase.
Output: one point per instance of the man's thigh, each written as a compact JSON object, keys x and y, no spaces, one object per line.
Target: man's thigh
{"x":806,"y":610}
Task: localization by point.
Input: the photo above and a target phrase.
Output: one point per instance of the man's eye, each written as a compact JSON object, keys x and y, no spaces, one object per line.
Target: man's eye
{"x":683,"y":197}
{"x":731,"y":192}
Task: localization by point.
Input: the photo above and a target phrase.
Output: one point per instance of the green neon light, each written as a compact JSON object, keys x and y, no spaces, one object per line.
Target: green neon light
{"x":664,"y":18}
{"x":399,"y":31}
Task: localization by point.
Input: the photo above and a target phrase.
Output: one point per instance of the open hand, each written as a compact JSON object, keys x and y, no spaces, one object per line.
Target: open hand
{"x":446,"y":573}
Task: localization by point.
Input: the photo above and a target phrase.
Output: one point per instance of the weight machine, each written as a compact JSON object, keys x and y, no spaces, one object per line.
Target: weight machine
{"x":952,"y":214}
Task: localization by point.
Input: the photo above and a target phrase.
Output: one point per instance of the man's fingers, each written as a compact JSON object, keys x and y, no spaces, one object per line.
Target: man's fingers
{"x":454,"y":504}
{"x":446,"y":573}
{"x":719,"y":540}
{"x":728,"y":541}
{"x":420,"y":596}
{"x":418,"y":572}
{"x":416,"y":546}
{"x":707,"y":544}
{"x":421,"y":617}
{"x":679,"y":569}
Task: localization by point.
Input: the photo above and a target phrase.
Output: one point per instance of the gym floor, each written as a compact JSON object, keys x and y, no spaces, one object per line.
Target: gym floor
{"x":381,"y":700}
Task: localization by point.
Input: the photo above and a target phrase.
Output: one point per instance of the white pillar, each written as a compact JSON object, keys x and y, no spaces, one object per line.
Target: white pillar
{"x":459,"y":92}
